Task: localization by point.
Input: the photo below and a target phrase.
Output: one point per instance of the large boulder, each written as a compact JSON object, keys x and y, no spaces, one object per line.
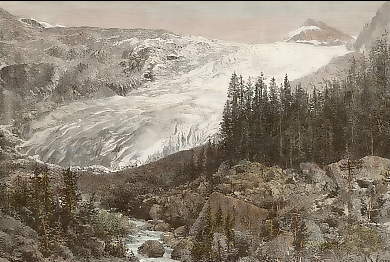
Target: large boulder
{"x":180,"y":231}
{"x":96,"y":245}
{"x":169,"y":239}
{"x":315,"y":238}
{"x":18,"y":241}
{"x":182,"y":250}
{"x":370,"y":170}
{"x":152,"y":248}
{"x":317,"y":176}
{"x":278,"y":249}
{"x":248,"y":259}
{"x":182,"y":208}
{"x":155,"y":212}
{"x":220,"y":246}
{"x":246,"y":215}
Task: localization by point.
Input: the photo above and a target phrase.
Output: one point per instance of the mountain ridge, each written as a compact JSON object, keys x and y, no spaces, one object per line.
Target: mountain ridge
{"x":318,"y":33}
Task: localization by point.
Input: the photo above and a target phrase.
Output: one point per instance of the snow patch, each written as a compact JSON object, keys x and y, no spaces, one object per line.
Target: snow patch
{"x":303,"y":29}
{"x":42,"y":23}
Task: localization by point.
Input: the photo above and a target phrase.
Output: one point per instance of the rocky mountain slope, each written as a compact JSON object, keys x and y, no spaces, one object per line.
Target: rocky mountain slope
{"x":113,"y":97}
{"x":263,"y":201}
{"x":318,"y":33}
{"x":378,"y":25}
{"x":337,"y":68}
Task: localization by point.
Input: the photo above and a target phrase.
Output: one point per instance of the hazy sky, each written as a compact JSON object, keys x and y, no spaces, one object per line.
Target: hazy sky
{"x":252,"y":22}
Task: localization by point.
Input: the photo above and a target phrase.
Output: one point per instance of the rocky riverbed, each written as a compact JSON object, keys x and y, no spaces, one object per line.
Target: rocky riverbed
{"x":143,"y":235}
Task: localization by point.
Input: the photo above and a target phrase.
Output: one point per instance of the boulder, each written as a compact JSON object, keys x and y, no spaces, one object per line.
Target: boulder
{"x":155,"y":212}
{"x":248,"y":259}
{"x":220,"y":246}
{"x":246,"y":215}
{"x":152,"y":248}
{"x":31,"y":254}
{"x":315,"y":237}
{"x":162,"y":226}
{"x":182,"y":208}
{"x":65,"y":252}
{"x":372,"y":170}
{"x":317,"y":176}
{"x":169,"y":239}
{"x":96,"y":245}
{"x":182,"y":250}
{"x":131,"y":257}
{"x":18,"y":241}
{"x":180,"y":231}
{"x":278,"y":249}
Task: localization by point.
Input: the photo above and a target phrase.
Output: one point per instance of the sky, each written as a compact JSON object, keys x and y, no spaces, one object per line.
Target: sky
{"x":238,"y":21}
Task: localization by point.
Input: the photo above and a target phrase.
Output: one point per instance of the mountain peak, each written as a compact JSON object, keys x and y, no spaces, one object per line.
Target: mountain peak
{"x":318,"y":33}
{"x":11,"y":28}
{"x":310,"y":21}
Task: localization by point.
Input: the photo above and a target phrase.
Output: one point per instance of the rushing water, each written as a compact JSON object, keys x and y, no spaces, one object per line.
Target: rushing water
{"x":142,"y":235}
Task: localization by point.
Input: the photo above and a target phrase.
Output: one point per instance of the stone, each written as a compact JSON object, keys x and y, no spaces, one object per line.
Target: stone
{"x":169,"y":239}
{"x":31,"y":254}
{"x":96,"y":245}
{"x":152,"y":248}
{"x":182,"y":250}
{"x":180,"y":231}
{"x":317,"y":176}
{"x":315,"y":237}
{"x":162,"y":226}
{"x":220,"y":244}
{"x":248,"y":259}
{"x":247,"y":216}
{"x":155,"y":212}
{"x":131,"y":257}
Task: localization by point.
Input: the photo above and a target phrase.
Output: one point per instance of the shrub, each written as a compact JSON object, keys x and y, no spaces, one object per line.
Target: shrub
{"x":108,"y":226}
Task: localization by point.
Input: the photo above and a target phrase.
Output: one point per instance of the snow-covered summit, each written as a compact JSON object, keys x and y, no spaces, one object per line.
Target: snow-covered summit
{"x":318,"y":33}
{"x":38,"y":24}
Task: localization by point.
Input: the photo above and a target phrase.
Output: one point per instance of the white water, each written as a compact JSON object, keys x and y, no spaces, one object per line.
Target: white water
{"x":135,"y":241}
{"x":178,"y":111}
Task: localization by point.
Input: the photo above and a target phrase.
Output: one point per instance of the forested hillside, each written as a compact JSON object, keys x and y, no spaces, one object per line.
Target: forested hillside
{"x":286,"y":125}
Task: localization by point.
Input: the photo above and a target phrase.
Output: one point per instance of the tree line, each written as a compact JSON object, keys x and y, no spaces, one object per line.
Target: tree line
{"x":285,"y":125}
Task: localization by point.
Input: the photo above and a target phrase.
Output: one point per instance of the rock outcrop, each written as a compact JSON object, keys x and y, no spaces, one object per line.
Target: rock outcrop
{"x":246,"y":216}
{"x":374,"y":29}
{"x":152,"y":248}
{"x":18,"y":241}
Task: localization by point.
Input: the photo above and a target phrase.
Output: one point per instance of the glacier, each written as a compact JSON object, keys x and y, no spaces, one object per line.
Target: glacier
{"x":177,"y":111}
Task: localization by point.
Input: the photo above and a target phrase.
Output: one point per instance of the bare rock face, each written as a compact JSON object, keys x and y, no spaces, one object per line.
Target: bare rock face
{"x":373,"y":30}
{"x":152,"y":248}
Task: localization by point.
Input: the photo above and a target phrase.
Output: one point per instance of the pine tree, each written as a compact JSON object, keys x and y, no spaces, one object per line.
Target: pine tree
{"x":69,"y":197}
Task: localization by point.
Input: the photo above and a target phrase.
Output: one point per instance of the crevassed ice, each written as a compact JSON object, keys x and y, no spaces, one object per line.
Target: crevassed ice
{"x":173,"y":113}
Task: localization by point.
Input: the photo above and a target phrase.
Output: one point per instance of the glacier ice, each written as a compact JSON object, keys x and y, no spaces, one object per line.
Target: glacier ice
{"x":177,"y":111}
